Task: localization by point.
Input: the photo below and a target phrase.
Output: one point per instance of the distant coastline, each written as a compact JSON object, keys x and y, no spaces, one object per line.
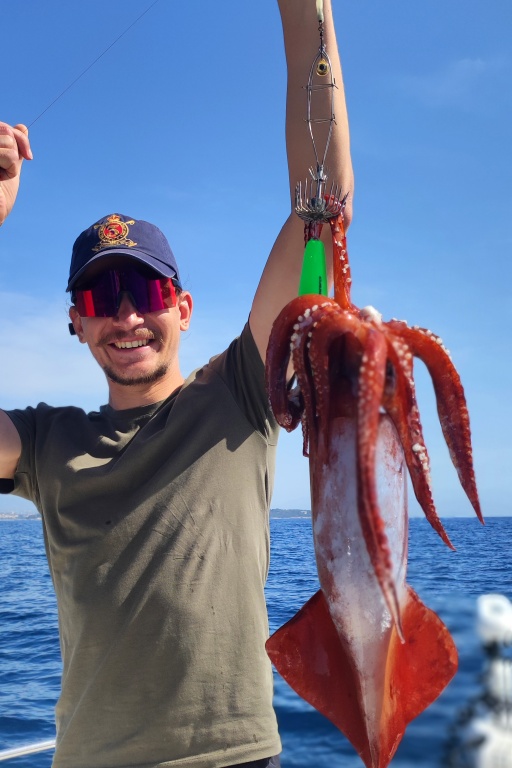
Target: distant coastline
{"x":275,"y":514}
{"x":283,"y":514}
{"x":19,"y":516}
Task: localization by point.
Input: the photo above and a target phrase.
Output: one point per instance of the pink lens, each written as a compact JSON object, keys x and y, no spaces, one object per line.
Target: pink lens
{"x":101,"y":297}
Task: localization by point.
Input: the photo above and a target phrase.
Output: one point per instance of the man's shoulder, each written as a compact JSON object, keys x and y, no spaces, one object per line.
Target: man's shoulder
{"x":43,"y":413}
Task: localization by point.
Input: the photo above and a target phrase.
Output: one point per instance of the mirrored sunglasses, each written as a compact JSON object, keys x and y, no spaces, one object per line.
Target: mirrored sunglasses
{"x":102,"y":296}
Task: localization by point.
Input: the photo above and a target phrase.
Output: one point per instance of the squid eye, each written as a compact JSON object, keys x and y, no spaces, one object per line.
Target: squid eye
{"x":322,"y":67}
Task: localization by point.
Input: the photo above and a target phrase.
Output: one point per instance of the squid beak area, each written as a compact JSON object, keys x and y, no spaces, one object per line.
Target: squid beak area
{"x":344,"y":363}
{"x":333,"y":394}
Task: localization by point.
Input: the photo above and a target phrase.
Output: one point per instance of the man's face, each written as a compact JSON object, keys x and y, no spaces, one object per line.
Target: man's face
{"x":135,"y":349}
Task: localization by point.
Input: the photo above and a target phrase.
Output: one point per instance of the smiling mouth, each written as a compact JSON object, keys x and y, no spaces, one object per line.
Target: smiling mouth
{"x":141,"y":338}
{"x":131,"y":344}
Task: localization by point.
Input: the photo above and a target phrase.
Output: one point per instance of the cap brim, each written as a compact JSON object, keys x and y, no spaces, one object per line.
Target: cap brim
{"x":110,"y":255}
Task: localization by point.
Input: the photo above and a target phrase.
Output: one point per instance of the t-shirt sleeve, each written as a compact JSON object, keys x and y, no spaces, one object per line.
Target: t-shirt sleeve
{"x":27,"y":421}
{"x":243,"y":371}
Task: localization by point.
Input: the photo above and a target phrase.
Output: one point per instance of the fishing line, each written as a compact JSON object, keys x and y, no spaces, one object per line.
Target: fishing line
{"x":93,"y":63}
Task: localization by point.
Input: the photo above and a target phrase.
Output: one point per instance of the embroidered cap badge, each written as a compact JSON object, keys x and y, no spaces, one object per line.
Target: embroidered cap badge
{"x":113,"y":233}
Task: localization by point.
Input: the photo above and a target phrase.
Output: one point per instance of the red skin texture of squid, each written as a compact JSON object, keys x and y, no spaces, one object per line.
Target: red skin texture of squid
{"x":364,"y":650}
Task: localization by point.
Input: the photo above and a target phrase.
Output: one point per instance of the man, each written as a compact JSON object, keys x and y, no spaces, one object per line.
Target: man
{"x":155,"y":509}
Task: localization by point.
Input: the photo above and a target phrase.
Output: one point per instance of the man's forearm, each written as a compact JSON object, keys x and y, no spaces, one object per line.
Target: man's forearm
{"x":280,"y":280}
{"x":301,"y":39}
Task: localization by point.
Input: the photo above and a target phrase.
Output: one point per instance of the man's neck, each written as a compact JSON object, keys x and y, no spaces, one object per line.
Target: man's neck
{"x":122,"y":396}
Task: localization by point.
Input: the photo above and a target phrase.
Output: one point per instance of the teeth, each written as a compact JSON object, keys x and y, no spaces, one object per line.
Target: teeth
{"x":130,"y":344}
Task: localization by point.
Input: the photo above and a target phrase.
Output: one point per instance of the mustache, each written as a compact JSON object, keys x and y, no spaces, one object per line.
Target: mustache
{"x":142,"y":334}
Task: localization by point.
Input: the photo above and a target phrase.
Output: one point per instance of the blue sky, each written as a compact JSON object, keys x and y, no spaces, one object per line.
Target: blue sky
{"x":182,"y":123}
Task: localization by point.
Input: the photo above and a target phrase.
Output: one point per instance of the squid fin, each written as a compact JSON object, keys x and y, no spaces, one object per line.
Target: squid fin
{"x":309,"y":655}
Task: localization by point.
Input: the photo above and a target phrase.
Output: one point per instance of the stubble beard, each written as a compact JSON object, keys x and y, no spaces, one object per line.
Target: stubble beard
{"x":134,"y":381}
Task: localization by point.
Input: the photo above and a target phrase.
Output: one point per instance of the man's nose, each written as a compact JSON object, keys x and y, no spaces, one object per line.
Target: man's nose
{"x":127,"y":313}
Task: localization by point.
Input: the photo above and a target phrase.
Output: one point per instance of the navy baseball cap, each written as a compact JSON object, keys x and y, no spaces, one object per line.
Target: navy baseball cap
{"x":121,"y":235}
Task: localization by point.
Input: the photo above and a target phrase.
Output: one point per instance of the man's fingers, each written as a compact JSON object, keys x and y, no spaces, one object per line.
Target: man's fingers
{"x":9,"y":152}
{"x":6,"y":135}
{"x":14,"y":144}
{"x":21,"y":133}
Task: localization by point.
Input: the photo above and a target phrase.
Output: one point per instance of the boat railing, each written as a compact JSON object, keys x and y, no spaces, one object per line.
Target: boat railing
{"x":28,"y":749}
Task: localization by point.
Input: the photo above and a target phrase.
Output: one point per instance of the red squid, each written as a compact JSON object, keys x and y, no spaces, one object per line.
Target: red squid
{"x":364,"y":650}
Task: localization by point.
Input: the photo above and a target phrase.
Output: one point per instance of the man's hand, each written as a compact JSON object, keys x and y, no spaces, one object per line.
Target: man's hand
{"x":14,"y":148}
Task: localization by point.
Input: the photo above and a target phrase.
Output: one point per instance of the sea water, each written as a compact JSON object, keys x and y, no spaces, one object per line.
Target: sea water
{"x":448,"y":582}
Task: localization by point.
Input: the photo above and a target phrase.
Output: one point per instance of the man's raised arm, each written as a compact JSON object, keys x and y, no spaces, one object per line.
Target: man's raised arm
{"x":14,"y":147}
{"x":280,"y":280}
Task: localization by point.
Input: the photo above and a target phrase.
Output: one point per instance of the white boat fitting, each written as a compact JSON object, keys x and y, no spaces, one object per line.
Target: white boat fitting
{"x":483,"y":733}
{"x":487,"y":742}
{"x":494,"y":619}
{"x":28,"y":749}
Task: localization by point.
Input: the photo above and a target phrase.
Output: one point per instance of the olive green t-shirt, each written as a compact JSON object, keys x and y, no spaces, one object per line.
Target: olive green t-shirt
{"x":156,"y":525}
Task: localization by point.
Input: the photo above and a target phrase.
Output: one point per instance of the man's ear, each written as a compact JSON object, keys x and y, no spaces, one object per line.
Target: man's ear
{"x":76,"y":324}
{"x":185,"y":305}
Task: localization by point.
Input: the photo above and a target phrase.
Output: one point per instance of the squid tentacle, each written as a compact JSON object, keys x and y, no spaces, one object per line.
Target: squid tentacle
{"x":301,"y":340}
{"x":304,"y":376}
{"x":372,"y":374}
{"x":401,"y":405}
{"x":451,"y":403}
{"x":341,"y":266}
{"x":286,"y":412}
